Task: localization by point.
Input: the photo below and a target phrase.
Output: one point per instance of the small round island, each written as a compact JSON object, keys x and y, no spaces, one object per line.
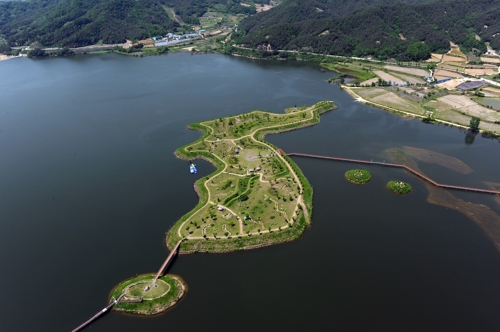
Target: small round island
{"x":141,"y":295}
{"x":358,"y":176}
{"x":399,"y":187}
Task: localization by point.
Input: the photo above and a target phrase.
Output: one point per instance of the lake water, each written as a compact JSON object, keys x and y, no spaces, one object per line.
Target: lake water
{"x":90,"y":185}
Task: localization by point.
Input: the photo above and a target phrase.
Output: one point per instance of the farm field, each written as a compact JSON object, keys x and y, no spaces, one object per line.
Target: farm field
{"x":446,"y":73}
{"x":387,"y":77}
{"x":358,"y":73}
{"x":370,"y":81}
{"x":409,"y":78}
{"x":451,"y":66}
{"x":490,"y":60}
{"x":450,"y":58}
{"x":450,"y":85}
{"x":412,"y":71}
{"x":481,"y":72}
{"x":492,"y":90}
{"x":471,"y":108}
{"x":438,"y":105}
{"x":390,"y":99}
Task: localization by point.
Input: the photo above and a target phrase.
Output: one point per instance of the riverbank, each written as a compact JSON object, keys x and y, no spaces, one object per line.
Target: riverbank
{"x":257,"y":196}
{"x":9,"y":57}
{"x":487,"y":128}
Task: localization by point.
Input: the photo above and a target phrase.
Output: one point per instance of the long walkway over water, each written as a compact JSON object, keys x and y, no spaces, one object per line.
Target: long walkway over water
{"x":160,"y":271}
{"x":91,"y":319}
{"x":409,"y":169}
{"x":109,"y":306}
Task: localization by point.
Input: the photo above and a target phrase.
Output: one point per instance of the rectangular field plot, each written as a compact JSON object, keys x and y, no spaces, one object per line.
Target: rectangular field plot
{"x":471,"y":108}
{"x":412,"y":71}
{"x":409,"y":78}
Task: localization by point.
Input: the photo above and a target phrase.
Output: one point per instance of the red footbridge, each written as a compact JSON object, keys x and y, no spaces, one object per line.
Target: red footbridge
{"x":409,"y":169}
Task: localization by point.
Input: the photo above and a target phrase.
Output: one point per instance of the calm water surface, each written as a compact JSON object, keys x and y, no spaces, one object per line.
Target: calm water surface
{"x":90,"y":185}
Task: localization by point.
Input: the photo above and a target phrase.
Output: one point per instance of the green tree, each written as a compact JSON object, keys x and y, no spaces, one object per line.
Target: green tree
{"x":474,"y":123}
{"x":418,"y":51}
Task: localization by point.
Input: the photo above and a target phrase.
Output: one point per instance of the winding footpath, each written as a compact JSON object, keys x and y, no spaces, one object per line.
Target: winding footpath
{"x":300,"y":201}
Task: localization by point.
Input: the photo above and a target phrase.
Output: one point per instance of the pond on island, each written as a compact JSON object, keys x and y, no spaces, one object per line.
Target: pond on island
{"x":90,"y":185}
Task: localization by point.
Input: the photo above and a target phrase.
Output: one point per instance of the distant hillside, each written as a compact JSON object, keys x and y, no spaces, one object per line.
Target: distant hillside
{"x":383,"y":29}
{"x":190,"y":10}
{"x":74,"y":23}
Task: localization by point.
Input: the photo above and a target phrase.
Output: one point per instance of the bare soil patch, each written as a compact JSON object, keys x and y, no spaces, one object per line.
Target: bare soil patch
{"x":409,"y":78}
{"x":370,"y":81}
{"x":457,"y":101}
{"x":446,"y":73}
{"x":481,"y":72}
{"x":492,"y":90}
{"x":435,"y":57}
{"x":393,"y":100}
{"x":386,"y":76}
{"x":490,"y":60}
{"x":412,"y":71}
{"x":450,"y":58}
{"x":370,"y":93}
{"x":450,"y":85}
{"x":482,"y":112}
{"x":432,"y":157}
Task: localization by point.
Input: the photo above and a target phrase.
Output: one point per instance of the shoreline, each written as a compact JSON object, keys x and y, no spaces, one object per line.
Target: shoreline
{"x":9,"y":57}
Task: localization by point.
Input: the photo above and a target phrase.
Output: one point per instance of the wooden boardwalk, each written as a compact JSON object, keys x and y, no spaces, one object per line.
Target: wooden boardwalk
{"x":109,"y":306}
{"x":160,"y":271}
{"x":99,"y":314}
{"x":409,"y":169}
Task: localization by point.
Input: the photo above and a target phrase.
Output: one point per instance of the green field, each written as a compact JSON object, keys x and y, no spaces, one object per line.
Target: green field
{"x":257,"y":195}
{"x":358,"y":73}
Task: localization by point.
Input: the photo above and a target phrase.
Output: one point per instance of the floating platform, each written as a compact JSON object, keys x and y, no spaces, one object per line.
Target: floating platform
{"x":192,"y":169}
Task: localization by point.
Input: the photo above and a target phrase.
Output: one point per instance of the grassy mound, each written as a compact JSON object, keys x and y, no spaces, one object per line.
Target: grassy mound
{"x":358,"y":176}
{"x":144,"y":297}
{"x":399,"y":187}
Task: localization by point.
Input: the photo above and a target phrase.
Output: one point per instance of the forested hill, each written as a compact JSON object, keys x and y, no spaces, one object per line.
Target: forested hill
{"x":76,"y":23}
{"x":293,"y":11}
{"x":401,"y":30}
{"x":191,"y":10}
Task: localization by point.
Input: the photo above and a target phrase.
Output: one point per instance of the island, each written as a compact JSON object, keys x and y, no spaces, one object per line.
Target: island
{"x":147,"y":294}
{"x":257,"y":196}
{"x":358,"y":176}
{"x":399,"y":187}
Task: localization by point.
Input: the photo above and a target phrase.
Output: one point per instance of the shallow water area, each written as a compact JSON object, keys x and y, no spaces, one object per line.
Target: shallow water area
{"x":90,"y":185}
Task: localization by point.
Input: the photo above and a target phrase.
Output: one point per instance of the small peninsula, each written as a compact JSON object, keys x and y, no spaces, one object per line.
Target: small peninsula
{"x":257,"y":196}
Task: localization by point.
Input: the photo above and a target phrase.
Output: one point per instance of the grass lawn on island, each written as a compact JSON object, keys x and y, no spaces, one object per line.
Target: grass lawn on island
{"x":256,"y":191}
{"x":147,"y":289}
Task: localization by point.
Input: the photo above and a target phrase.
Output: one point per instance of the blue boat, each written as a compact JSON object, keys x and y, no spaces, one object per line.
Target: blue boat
{"x":192,"y":169}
